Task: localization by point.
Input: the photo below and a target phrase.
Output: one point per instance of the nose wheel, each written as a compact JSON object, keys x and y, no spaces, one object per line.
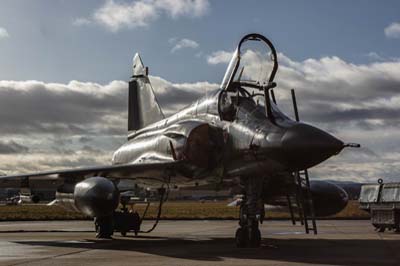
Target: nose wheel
{"x":248,"y":237}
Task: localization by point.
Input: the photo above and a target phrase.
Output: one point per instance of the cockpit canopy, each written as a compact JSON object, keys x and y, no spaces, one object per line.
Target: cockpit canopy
{"x":250,"y":74}
{"x":253,"y":64}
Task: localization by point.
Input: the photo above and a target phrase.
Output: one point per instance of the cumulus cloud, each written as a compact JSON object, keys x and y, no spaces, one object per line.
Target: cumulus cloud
{"x":116,"y":15}
{"x":219,"y":57}
{"x":65,"y":108}
{"x":81,"y":123}
{"x":12,"y":147}
{"x":393,"y":30}
{"x":174,"y":96}
{"x":176,"y":8}
{"x":3,"y":33}
{"x":375,"y":56}
{"x":81,"y":22}
{"x":182,"y":43}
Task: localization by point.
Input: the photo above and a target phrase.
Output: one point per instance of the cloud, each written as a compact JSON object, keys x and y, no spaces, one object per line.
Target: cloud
{"x":183,"y":43}
{"x":375,"y":56}
{"x":174,"y":96}
{"x":393,"y":30}
{"x":11,"y":147}
{"x":3,"y":33}
{"x":219,"y":57}
{"x":115,"y":16}
{"x":81,"y":22}
{"x":177,"y":8}
{"x":68,"y":107}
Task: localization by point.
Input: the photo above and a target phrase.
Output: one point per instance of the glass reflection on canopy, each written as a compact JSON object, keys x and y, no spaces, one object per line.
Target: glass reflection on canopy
{"x":253,"y":64}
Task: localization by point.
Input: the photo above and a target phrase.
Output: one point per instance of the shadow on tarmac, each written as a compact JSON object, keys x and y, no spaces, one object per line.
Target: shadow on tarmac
{"x":312,"y":251}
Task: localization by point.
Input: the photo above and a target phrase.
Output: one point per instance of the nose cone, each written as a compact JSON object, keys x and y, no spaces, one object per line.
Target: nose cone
{"x":306,"y":146}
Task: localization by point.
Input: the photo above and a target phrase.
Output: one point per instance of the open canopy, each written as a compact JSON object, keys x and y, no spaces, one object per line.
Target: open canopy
{"x":253,"y":64}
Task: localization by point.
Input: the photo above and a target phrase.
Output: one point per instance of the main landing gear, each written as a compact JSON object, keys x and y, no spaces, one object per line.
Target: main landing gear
{"x":121,"y":221}
{"x":124,"y":221}
{"x":252,"y":213}
{"x":104,"y":226}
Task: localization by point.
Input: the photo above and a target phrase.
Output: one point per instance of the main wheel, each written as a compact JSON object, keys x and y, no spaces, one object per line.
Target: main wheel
{"x":376,"y":227}
{"x":240,"y":238}
{"x":255,"y":238}
{"x":104,"y":227}
{"x":248,"y":237}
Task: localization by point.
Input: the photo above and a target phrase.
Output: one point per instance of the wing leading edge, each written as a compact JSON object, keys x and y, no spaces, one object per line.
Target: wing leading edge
{"x":150,"y":171}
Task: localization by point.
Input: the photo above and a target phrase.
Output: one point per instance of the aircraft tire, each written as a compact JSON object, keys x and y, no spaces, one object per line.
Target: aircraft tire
{"x":104,"y":227}
{"x":246,"y":239}
{"x":240,"y":238}
{"x":255,"y":238}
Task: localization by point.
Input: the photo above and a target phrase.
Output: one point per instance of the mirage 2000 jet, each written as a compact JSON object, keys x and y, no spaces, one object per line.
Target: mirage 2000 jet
{"x":234,"y":135}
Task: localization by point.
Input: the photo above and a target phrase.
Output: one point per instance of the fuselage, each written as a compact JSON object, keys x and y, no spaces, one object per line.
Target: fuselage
{"x":243,"y":143}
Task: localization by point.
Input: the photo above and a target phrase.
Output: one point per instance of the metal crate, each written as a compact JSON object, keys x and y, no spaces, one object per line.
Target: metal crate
{"x":383,"y":203}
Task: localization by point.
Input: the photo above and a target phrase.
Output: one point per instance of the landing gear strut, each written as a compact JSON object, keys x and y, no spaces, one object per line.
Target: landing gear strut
{"x":252,"y":213}
{"x":104,"y":226}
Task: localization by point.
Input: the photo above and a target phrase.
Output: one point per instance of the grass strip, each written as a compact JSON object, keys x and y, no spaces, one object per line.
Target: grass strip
{"x":174,"y":210}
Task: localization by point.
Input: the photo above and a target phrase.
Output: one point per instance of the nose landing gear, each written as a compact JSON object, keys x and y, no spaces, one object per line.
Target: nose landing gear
{"x":252,"y":213}
{"x":248,"y":237}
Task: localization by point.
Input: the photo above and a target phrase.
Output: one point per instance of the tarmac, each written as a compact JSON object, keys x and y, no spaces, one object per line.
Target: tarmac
{"x":338,"y":242}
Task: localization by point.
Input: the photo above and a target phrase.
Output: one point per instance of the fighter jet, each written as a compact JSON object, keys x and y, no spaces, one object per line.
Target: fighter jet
{"x":235,"y":132}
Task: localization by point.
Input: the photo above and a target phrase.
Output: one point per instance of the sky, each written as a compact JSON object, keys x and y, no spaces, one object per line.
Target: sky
{"x":64,"y":67}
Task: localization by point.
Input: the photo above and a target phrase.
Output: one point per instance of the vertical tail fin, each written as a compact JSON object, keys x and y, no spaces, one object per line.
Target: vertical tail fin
{"x":143,"y":108}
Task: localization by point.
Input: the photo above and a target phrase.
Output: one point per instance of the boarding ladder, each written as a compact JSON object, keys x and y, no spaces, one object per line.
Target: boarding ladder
{"x":302,"y":198}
